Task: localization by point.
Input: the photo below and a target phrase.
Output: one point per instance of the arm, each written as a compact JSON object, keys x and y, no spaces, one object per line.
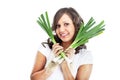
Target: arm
{"x":84,"y":72}
{"x":66,"y":71}
{"x":66,"y":67}
{"x":39,"y":72}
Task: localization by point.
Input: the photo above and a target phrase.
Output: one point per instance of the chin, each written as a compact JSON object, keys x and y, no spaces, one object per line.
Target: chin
{"x":65,"y":40}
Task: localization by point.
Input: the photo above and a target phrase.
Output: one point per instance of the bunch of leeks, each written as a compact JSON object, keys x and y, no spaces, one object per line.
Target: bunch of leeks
{"x":44,"y":23}
{"x":85,"y":32}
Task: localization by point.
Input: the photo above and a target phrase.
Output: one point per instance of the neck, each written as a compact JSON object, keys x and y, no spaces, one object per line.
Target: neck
{"x":66,"y":44}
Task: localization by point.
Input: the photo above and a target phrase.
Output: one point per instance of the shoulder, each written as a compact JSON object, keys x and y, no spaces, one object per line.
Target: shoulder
{"x":44,"y":49}
{"x":84,"y":57}
{"x":84,"y":52}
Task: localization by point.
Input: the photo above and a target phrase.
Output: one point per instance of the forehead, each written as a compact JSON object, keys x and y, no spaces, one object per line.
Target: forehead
{"x":65,"y":17}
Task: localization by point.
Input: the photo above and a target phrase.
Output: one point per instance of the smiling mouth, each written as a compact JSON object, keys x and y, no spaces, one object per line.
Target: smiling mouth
{"x":63,"y":35}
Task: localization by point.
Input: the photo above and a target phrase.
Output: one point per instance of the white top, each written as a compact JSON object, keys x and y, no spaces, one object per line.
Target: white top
{"x":83,"y":57}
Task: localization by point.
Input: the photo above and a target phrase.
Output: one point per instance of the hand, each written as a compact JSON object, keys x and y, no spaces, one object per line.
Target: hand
{"x":70,"y":52}
{"x":57,"y":49}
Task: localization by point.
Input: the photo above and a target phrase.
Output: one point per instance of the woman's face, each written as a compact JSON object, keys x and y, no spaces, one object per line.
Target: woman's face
{"x":65,"y":28}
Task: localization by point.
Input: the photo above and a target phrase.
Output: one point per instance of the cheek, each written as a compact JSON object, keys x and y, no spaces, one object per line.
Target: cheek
{"x":73,"y":31}
{"x":56,"y":32}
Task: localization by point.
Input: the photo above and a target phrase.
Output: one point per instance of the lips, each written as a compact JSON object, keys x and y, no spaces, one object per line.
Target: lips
{"x":63,"y":35}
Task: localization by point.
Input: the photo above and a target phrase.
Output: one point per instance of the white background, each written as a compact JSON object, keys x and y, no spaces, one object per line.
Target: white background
{"x":20,"y":35}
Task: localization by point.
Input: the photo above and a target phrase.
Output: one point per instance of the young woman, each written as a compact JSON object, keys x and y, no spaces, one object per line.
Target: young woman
{"x":66,"y":24}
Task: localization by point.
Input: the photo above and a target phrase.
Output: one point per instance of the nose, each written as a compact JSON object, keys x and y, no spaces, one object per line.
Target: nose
{"x":62,"y":29}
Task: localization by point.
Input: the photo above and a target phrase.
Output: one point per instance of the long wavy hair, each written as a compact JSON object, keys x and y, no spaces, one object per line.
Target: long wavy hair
{"x":77,"y":20}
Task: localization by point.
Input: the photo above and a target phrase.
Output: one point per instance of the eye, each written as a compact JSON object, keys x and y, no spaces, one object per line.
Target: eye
{"x":66,"y":24}
{"x":57,"y":26}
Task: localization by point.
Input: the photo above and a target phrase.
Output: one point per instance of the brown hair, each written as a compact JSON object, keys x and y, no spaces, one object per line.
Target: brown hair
{"x":75,"y":17}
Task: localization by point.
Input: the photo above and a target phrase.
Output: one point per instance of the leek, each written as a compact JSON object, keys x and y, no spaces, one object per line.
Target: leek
{"x":44,"y":23}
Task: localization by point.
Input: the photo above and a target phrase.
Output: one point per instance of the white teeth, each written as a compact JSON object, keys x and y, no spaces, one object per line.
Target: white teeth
{"x":63,"y":35}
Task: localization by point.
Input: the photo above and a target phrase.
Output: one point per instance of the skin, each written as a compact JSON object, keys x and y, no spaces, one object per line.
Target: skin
{"x":65,"y":31}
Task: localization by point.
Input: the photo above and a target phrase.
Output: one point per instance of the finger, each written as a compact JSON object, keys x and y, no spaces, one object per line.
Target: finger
{"x":70,"y":54}
{"x":67,"y":50}
{"x":70,"y":51}
{"x":56,"y":59}
{"x":60,"y":60}
{"x":67,"y":55}
{"x":57,"y":50}
{"x":55,"y":45}
{"x":58,"y":53}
